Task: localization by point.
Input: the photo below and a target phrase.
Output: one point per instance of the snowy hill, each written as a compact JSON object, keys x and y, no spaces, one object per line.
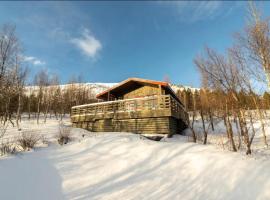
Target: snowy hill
{"x":100,"y":87}
{"x":94,"y":87}
{"x":125,"y":166}
{"x":182,"y":87}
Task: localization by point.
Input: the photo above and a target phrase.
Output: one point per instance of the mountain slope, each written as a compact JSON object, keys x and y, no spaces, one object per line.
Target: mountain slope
{"x":100,"y":87}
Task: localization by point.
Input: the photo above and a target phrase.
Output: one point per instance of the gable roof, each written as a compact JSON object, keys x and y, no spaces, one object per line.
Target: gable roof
{"x":128,"y":82}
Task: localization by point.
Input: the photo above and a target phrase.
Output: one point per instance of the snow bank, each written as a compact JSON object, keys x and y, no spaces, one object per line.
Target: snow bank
{"x":126,"y":166}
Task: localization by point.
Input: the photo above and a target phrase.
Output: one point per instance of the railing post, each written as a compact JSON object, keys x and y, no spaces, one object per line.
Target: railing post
{"x":171,"y":102}
{"x":158,"y":102}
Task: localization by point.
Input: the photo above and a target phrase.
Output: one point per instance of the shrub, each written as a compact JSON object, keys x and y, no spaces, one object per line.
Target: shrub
{"x":3,"y":129}
{"x":64,"y":134}
{"x":7,"y":148}
{"x":28,"y":139}
{"x":44,"y":140}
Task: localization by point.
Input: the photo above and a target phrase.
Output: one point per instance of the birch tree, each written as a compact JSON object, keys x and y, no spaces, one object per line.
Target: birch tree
{"x":255,"y":40}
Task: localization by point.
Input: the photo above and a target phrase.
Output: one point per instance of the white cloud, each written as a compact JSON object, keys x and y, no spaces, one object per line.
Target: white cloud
{"x":33,"y":60}
{"x":87,"y":43}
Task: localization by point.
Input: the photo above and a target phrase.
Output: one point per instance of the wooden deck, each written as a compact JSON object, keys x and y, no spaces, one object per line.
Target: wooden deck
{"x":160,"y":113}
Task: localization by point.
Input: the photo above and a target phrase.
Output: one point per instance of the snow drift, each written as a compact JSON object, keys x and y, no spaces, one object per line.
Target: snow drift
{"x":127,"y":166}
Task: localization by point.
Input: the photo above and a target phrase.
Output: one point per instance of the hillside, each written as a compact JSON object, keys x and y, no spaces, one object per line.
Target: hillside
{"x":125,"y":166}
{"x":100,"y":87}
{"x":94,"y":87}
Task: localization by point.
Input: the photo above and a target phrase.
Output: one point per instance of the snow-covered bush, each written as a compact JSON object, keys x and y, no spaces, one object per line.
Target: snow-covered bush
{"x":3,"y":129}
{"x":7,"y":148}
{"x":63,"y":136}
{"x":44,"y":140}
{"x":28,"y":139}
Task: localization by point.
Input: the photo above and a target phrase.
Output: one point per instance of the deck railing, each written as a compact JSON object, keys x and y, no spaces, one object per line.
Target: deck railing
{"x":158,"y":102}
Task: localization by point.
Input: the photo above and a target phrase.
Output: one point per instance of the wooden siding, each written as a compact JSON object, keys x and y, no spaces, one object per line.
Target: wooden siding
{"x":130,"y":84}
{"x":159,"y":125}
{"x":160,"y":114}
{"x":143,"y":91}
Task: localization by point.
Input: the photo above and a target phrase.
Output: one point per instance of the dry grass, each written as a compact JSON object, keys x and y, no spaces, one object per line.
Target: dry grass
{"x":3,"y":129}
{"x":64,"y":135}
{"x":7,"y":147}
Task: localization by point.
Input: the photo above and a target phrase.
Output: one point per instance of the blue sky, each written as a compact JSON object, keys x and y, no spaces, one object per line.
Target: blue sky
{"x":111,"y":41}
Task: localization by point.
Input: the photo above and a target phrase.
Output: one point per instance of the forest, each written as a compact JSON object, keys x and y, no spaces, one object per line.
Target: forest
{"x":234,"y":85}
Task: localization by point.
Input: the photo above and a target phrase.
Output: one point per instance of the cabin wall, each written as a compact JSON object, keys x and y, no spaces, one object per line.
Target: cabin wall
{"x":156,"y":125}
{"x":161,"y":114}
{"x":143,"y":91}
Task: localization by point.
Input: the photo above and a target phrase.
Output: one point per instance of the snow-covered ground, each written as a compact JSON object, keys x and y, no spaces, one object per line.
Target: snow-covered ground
{"x":47,"y":131}
{"x":127,"y":166}
{"x":219,"y":138}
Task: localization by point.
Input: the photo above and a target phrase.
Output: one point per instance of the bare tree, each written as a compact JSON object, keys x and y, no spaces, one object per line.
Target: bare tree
{"x":19,"y":83}
{"x":41,"y":81}
{"x":219,"y":73}
{"x":204,"y":111}
{"x":9,"y":47}
{"x":255,"y":40}
{"x":11,"y":72}
{"x":191,"y":123}
{"x":239,"y":58}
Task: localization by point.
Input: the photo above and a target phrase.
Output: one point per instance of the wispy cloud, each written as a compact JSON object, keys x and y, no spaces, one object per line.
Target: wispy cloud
{"x":87,"y":43}
{"x":33,"y":60}
{"x":207,"y":9}
{"x":194,"y":11}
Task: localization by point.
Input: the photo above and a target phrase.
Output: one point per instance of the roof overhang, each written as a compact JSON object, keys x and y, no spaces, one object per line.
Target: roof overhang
{"x":132,"y":82}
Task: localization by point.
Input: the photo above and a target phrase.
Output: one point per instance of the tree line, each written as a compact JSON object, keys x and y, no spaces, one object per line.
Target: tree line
{"x":231,"y":85}
{"x":46,"y":97}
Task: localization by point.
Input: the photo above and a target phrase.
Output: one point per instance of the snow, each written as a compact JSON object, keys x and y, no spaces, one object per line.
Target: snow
{"x":127,"y":166}
{"x":176,"y":87}
{"x":219,"y":137}
{"x":97,"y":88}
{"x":47,"y":130}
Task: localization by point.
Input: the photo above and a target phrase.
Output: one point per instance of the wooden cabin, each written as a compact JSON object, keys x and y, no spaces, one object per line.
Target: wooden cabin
{"x":134,"y":105}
